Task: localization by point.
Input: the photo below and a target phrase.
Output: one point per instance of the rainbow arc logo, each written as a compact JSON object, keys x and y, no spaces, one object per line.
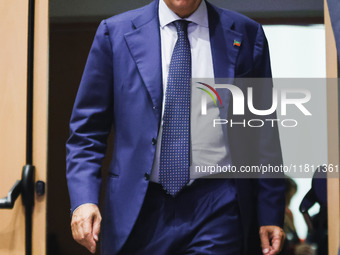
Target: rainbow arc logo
{"x":209,"y":93}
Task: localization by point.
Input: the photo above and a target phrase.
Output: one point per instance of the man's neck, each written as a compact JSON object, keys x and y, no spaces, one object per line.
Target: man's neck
{"x":183,"y":8}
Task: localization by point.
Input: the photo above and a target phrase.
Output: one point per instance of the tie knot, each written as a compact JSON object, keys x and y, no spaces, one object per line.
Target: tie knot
{"x":181,"y":25}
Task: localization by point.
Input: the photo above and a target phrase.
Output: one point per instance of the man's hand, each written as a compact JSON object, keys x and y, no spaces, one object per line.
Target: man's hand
{"x":85,"y":225}
{"x":272,"y":238}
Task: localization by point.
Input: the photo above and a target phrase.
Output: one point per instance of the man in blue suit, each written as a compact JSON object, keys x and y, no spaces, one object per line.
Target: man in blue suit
{"x":136,"y":79}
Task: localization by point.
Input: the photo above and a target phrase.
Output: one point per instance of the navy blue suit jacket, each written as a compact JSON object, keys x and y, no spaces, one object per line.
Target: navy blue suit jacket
{"x":122,"y":86}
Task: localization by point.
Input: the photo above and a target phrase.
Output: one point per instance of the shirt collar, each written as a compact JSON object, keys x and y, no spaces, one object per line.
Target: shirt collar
{"x":167,"y":16}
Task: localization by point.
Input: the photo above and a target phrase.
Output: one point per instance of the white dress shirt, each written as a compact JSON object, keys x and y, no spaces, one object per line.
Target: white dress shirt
{"x":208,"y":144}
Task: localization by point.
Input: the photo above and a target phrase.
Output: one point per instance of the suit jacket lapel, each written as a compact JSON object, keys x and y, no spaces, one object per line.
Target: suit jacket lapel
{"x":224,"y":51}
{"x":144,"y":45}
{"x":222,"y":39}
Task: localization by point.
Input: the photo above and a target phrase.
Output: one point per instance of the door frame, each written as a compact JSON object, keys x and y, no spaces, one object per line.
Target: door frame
{"x":333,"y":187}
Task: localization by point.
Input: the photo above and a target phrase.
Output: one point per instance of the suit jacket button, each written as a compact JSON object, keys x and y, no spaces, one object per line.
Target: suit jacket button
{"x":154,"y":141}
{"x":147,"y":176}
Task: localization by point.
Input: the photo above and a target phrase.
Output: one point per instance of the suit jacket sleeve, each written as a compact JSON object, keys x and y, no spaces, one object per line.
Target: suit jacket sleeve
{"x":91,"y":123}
{"x":271,"y":191}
